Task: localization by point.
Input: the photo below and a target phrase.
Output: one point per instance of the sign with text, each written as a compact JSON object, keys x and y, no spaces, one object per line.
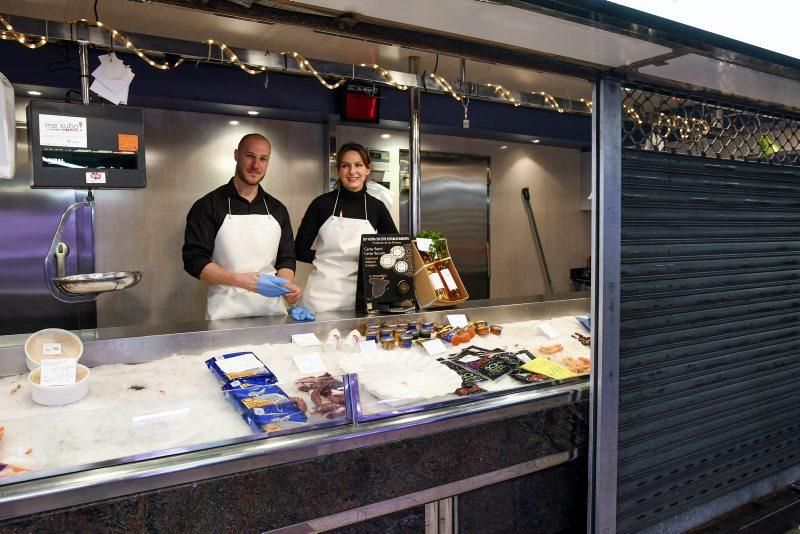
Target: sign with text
{"x":386,"y":269}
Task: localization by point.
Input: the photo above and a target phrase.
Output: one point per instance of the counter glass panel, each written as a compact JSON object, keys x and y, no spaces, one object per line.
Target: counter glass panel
{"x":174,"y":394}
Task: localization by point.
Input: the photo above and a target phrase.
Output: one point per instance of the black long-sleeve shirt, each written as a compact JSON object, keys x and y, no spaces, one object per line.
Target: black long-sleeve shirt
{"x":207,"y":215}
{"x":350,"y":205}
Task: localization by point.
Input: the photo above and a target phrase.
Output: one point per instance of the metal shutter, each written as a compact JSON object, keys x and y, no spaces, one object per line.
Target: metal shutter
{"x":709,"y":363}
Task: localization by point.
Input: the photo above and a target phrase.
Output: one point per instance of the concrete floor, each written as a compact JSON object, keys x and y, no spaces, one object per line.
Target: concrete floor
{"x":778,"y":513}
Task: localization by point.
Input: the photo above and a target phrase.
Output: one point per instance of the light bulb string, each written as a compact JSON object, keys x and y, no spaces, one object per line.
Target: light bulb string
{"x":386,"y":75}
{"x":8,"y":33}
{"x":306,"y":66}
{"x":462,"y":99}
{"x":31,"y":41}
{"x":505,"y":93}
{"x":116,"y":34}
{"x":226,"y":50}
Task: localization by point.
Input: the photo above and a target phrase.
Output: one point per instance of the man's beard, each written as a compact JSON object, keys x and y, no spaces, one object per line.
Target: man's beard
{"x":247,"y":178}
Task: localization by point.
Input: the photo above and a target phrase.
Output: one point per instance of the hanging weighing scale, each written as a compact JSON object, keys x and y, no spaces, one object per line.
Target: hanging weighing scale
{"x":82,"y":146}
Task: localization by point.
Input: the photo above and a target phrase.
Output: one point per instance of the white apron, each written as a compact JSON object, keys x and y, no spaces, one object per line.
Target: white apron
{"x":332,"y":285}
{"x":245,"y":243}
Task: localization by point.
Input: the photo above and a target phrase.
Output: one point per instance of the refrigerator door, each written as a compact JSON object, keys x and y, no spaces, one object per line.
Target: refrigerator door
{"x":455,"y":201}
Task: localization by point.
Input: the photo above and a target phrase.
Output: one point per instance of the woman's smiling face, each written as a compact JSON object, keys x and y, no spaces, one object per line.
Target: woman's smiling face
{"x":353,"y":171}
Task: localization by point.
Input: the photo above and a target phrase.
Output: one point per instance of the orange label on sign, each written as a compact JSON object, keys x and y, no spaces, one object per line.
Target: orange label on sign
{"x":128,"y":142}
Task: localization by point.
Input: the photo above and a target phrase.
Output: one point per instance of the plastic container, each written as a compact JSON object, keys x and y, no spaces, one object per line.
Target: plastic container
{"x":51,"y":343}
{"x":352,"y":341}
{"x":59,"y":395}
{"x":332,"y":341}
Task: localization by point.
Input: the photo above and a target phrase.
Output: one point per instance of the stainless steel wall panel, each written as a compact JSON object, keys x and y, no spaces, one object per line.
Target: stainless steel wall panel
{"x":455,"y":201}
{"x":709,"y":333}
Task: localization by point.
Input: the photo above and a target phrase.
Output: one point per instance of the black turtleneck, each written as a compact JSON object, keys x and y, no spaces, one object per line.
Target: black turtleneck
{"x":350,"y":205}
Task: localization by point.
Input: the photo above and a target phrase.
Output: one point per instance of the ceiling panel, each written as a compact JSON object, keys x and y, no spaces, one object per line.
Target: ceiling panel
{"x":712,"y":74}
{"x":504,"y":25}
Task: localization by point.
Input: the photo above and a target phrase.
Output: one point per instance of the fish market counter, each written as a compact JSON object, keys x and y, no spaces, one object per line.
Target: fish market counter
{"x":398,"y":423}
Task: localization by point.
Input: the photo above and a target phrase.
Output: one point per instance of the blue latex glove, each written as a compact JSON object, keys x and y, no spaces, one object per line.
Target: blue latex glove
{"x":272,"y":286}
{"x":301,"y":313}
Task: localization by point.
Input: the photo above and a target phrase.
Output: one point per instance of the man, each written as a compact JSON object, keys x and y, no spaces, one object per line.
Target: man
{"x":238,"y":238}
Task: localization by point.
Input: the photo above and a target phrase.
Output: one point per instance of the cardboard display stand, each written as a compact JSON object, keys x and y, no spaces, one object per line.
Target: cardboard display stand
{"x":423,"y":288}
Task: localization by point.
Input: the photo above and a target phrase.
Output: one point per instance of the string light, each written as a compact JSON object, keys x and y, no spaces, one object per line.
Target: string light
{"x":115,"y":34}
{"x":587,"y":103}
{"x":232,"y":55}
{"x":683,"y":126}
{"x":633,"y":113}
{"x":505,"y":93}
{"x":306,"y":66}
{"x":386,"y":75}
{"x":446,"y":86}
{"x":10,"y":34}
{"x":550,"y":101}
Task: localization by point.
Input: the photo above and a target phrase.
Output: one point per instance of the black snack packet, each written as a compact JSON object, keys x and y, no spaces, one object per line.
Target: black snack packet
{"x":490,"y":365}
{"x":530,"y":378}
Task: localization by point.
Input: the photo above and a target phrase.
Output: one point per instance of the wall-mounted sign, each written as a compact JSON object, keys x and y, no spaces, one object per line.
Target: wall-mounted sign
{"x":57,"y":130}
{"x":75,"y":146}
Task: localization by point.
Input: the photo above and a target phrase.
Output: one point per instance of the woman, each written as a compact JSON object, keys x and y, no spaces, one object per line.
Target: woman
{"x":337,"y":220}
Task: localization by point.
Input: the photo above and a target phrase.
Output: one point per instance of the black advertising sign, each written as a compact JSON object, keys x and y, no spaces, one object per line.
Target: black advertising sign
{"x":386,"y":269}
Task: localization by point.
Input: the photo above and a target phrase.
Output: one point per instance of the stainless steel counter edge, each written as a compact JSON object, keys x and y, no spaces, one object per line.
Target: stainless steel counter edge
{"x":100,"y":483}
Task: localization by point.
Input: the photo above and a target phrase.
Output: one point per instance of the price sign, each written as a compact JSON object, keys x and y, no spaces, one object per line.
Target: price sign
{"x":545,"y":367}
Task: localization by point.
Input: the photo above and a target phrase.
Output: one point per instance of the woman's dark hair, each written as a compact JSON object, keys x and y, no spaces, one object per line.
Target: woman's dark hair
{"x":351,"y":147}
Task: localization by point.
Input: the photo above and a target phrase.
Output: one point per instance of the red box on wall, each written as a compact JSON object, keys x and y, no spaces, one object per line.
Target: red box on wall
{"x":360,"y":103}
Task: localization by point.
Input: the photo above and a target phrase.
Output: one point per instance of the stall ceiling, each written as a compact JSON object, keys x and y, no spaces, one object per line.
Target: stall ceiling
{"x":707,"y":72}
{"x":699,"y":62}
{"x":180,"y":23}
{"x":497,"y":23}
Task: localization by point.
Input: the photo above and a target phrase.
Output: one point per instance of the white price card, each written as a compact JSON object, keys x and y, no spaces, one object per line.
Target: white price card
{"x":60,"y":372}
{"x":309,"y":364}
{"x":51,"y":349}
{"x":424,"y":244}
{"x":468,"y":359}
{"x":548,"y":330}
{"x":368,"y":346}
{"x":58,"y":130}
{"x":434,"y":346}
{"x":458,"y":320}
{"x":305,"y":340}
{"x":238,"y":364}
{"x":522,"y":356}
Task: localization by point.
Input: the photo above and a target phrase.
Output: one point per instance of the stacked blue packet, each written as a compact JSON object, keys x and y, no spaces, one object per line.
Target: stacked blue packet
{"x":275,"y":418}
{"x":240,"y":365}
